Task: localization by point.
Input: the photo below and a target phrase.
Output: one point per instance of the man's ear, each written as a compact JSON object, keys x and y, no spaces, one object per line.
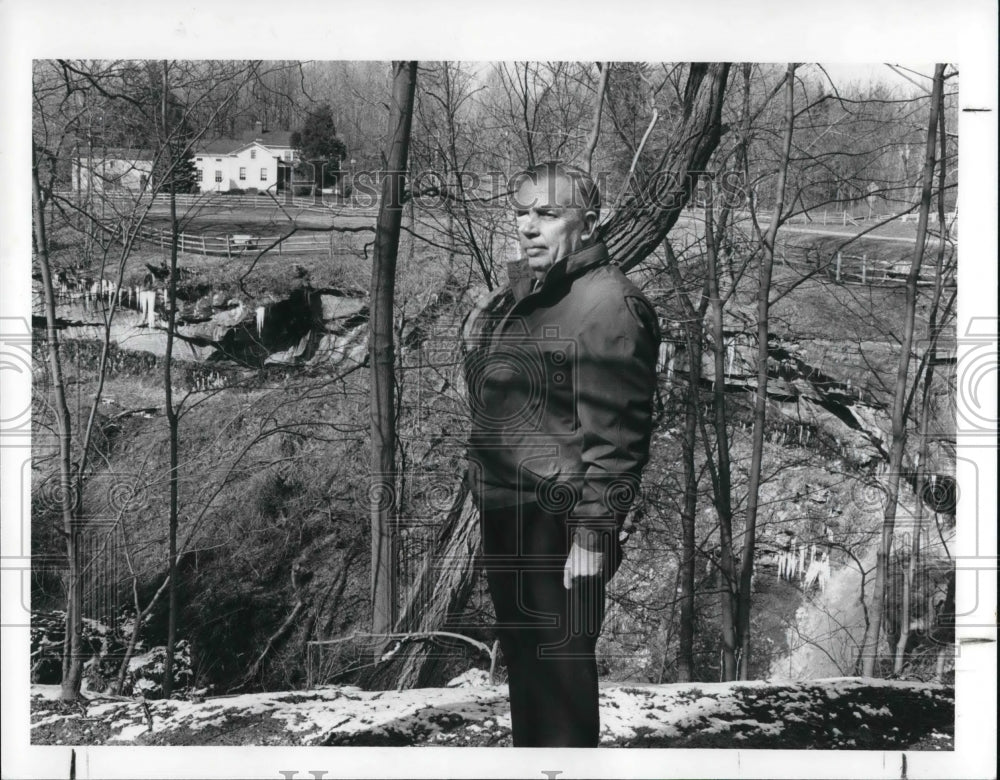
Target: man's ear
{"x":589,"y":226}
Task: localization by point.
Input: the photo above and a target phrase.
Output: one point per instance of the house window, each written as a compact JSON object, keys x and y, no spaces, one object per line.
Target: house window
{"x":218,"y":159}
{"x":288,"y":155}
{"x":253,"y":154}
{"x":218,"y":175}
{"x":204,"y":175}
{"x":198,"y":159}
{"x":263,"y":174}
{"x":243,"y":174}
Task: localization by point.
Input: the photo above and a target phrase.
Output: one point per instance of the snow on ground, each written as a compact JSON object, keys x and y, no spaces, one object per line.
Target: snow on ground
{"x":837,"y":713}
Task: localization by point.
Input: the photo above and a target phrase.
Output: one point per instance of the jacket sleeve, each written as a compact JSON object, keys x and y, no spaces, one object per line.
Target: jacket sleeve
{"x":616,"y":384}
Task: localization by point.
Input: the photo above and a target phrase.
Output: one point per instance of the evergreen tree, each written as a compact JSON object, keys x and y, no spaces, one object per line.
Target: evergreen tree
{"x":319,"y":145}
{"x":184,"y":177}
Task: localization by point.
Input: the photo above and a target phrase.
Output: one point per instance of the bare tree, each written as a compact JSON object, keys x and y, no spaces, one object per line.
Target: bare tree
{"x":694,"y":338}
{"x":383,"y":407}
{"x":869,"y":647}
{"x":760,"y":394}
{"x":69,"y":498}
{"x":937,"y":318}
{"x":173,"y":421}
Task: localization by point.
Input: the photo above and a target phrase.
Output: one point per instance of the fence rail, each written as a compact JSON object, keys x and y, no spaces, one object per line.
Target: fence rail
{"x":321,"y":204}
{"x":236,"y":244}
{"x":845,"y":217}
{"x":863,"y":269}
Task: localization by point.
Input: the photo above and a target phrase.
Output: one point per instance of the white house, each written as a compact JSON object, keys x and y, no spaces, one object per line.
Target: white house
{"x":115,"y":169}
{"x":261,"y":160}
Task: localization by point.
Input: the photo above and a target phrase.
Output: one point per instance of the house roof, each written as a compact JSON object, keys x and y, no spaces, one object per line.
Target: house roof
{"x":282,"y":138}
{"x":118,"y":153}
{"x":275,"y":140}
{"x":219,"y":146}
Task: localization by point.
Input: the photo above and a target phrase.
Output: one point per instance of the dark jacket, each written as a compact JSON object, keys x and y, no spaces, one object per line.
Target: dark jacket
{"x":561,"y":391}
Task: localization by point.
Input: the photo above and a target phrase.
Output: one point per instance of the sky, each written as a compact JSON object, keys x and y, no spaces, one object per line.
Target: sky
{"x":903,"y":76}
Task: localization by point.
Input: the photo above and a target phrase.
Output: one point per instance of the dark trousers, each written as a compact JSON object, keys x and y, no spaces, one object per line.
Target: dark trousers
{"x":548,"y":634}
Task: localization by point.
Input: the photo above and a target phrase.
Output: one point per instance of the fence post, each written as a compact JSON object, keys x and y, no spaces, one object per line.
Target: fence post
{"x":229,"y":241}
{"x":838,"y":266}
{"x":864,"y":263}
{"x":204,"y":251}
{"x":843,"y":218}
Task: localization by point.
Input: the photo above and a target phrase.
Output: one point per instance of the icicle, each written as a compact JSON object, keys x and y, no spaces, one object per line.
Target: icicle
{"x":261,"y":311}
{"x":812,"y":574}
{"x":147,"y":307}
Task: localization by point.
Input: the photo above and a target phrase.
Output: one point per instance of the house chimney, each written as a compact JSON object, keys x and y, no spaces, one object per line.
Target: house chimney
{"x":258,"y":130}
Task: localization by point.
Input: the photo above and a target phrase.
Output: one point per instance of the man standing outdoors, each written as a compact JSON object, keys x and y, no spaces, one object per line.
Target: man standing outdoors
{"x":561,"y":387}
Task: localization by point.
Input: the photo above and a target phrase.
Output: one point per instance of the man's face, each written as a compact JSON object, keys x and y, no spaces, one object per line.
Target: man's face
{"x":550,"y":225}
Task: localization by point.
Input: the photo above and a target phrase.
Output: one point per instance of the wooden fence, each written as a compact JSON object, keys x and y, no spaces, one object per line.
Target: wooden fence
{"x":865,"y":269}
{"x":325,"y":204}
{"x":237,"y":244}
{"x":844,"y":218}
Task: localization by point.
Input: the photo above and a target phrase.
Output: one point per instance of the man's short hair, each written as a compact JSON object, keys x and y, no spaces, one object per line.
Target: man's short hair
{"x":585,"y":192}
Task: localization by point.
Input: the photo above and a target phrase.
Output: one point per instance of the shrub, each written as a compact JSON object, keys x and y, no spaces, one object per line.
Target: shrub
{"x":106,"y":648}
{"x":102,"y":645}
{"x":145,"y":672}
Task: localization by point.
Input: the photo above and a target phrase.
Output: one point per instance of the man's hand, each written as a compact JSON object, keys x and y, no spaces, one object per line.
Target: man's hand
{"x":581,"y":562}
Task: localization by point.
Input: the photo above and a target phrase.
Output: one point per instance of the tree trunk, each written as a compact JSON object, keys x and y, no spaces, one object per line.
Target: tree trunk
{"x":694,"y":341}
{"x":869,"y":644}
{"x":722,"y":486}
{"x":760,"y":396}
{"x":639,"y":226}
{"x":381,"y":351}
{"x":595,"y":129}
{"x":685,"y":651}
{"x":173,"y":422}
{"x":69,"y":488}
{"x":906,"y":609}
{"x":448,"y":575}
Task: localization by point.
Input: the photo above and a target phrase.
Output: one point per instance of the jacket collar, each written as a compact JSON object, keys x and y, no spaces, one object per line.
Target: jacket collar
{"x":575,"y":264}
